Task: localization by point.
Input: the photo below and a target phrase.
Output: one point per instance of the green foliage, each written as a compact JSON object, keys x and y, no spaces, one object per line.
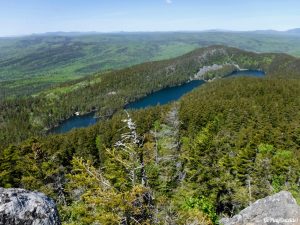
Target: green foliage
{"x":9,"y":167}
{"x":102,"y":199}
{"x":277,"y":183}
{"x":266,"y":149}
{"x":203,"y":204}
{"x":97,"y":200}
{"x":193,"y":216}
{"x":31,"y":64}
{"x":218,"y":149}
{"x":109,"y":92}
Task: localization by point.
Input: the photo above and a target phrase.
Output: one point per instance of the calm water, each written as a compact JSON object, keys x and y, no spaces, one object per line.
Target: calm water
{"x":161,"y":97}
{"x":75,"y":122}
{"x":248,"y":73}
{"x":165,"y":95}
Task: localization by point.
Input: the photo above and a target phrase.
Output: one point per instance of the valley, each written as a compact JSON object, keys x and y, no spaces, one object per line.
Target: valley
{"x":196,"y":155}
{"x":23,"y":117}
{"x":31,"y":64}
{"x":161,"y":97}
{"x":164,"y":112}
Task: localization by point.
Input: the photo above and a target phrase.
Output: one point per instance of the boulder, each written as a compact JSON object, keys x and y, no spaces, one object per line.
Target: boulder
{"x":278,"y":209}
{"x":22,"y":207}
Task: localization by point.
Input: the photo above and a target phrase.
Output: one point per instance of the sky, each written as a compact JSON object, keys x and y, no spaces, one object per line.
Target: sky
{"x":20,"y":17}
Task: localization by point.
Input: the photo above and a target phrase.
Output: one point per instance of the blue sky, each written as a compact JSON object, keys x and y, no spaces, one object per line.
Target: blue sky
{"x":18,"y":17}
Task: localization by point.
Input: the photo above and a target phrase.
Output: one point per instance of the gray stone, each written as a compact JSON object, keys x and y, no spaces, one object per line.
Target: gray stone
{"x":278,"y":209}
{"x":22,"y":207}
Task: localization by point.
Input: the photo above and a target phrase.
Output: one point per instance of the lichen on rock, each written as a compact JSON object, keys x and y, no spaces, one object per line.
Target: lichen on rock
{"x":279,"y":209}
{"x":19,"y":206}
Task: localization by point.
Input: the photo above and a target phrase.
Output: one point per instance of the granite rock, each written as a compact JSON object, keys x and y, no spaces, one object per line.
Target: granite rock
{"x":22,"y":207}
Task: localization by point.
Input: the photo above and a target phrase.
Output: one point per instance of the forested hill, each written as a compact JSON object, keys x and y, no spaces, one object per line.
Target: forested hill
{"x":32,"y":63}
{"x":109,"y":92}
{"x":211,"y":154}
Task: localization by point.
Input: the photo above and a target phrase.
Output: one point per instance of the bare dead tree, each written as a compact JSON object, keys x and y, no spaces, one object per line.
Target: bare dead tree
{"x":132,"y":144}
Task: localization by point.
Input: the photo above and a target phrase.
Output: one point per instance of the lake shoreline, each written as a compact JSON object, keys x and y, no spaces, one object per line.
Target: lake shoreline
{"x":160,"y":97}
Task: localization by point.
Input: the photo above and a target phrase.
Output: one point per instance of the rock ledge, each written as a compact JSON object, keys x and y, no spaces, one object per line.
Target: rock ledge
{"x":278,"y":209}
{"x":22,"y":207}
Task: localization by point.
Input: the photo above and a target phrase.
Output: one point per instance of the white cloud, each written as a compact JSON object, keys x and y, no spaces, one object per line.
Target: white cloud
{"x":169,"y":1}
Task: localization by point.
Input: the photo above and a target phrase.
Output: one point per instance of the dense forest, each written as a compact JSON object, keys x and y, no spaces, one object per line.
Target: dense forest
{"x":109,"y":92}
{"x":32,"y":63}
{"x":209,"y":155}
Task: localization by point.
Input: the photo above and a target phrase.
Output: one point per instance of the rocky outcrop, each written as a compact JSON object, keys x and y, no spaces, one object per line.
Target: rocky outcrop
{"x":278,"y":209}
{"x":22,"y":207}
{"x":205,"y":69}
{"x":203,"y":72}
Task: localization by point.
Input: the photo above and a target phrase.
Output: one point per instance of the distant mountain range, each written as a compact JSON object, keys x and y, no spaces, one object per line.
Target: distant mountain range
{"x":31,"y":63}
{"x":295,"y":31}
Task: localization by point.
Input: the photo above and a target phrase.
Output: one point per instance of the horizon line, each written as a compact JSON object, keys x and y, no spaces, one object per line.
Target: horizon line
{"x":147,"y":31}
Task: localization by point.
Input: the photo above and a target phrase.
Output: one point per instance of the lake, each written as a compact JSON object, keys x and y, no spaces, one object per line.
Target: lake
{"x":160,"y":97}
{"x":247,"y":73}
{"x":170,"y":94}
{"x":75,"y":122}
{"x":165,"y":95}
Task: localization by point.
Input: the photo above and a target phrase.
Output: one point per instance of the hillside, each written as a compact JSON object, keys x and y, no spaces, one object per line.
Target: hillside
{"x":24,"y":117}
{"x":31,"y":64}
{"x":294,"y":31}
{"x":209,"y":155}
{"x":189,"y":161}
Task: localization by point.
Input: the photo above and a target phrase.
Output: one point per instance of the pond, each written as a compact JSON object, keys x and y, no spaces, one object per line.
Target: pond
{"x":75,"y":122}
{"x":160,"y":97}
{"x":170,"y":94}
{"x":247,"y":73}
{"x":165,"y":95}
